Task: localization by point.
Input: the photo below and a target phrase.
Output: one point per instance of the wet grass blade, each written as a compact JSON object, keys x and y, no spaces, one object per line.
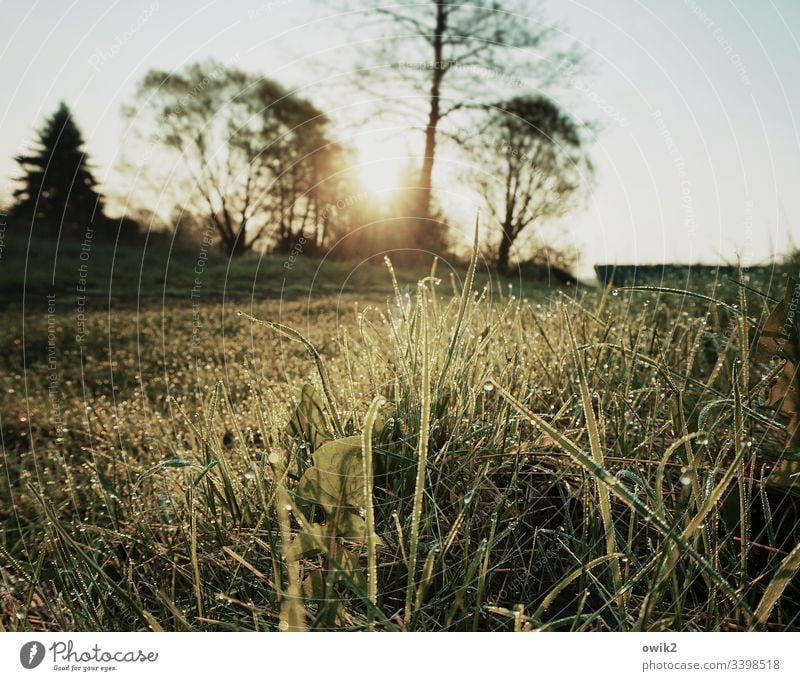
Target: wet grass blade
{"x":422,"y":458}
{"x":626,"y":496}
{"x":295,"y":335}
{"x":372,"y":558}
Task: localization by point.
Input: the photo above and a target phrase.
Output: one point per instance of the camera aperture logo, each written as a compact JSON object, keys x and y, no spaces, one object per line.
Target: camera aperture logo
{"x":31,"y":654}
{"x":68,"y":658}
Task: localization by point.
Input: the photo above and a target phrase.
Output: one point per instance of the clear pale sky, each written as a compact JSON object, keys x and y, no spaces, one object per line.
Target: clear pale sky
{"x":698,"y":157}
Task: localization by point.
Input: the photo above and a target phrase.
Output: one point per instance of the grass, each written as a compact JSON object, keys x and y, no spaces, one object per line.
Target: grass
{"x":157,"y":271}
{"x":459,"y":459}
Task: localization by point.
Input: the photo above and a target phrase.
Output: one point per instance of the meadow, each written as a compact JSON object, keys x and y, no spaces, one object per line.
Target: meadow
{"x":418,"y":450}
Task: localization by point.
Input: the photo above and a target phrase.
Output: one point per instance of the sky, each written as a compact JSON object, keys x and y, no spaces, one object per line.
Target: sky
{"x":697,"y":149}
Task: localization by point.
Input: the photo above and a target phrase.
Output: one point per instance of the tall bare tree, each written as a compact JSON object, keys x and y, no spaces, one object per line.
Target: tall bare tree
{"x":531,"y":166}
{"x":239,"y":150}
{"x":457,"y":56}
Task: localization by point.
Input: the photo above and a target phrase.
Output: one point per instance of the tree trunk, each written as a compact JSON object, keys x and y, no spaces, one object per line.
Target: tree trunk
{"x":426,"y":176}
{"x":236,"y":247}
{"x":283,"y":244}
{"x":504,"y":252}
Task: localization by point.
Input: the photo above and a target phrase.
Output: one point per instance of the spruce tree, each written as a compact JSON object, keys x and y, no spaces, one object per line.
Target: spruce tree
{"x":58,"y":191}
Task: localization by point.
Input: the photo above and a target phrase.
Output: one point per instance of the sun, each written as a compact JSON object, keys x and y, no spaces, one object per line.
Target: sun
{"x":381,"y":164}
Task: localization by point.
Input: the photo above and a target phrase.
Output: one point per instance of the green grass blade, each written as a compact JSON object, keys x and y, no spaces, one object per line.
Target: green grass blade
{"x":422,"y":457}
{"x":625,"y":495}
{"x":372,"y":559}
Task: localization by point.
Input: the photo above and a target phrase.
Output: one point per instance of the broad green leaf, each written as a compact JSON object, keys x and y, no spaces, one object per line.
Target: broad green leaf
{"x":310,"y":421}
{"x":349,"y":525}
{"x":336,"y":483}
{"x":315,"y":590}
{"x":314,"y":586}
{"x":306,"y":543}
{"x":348,"y":560}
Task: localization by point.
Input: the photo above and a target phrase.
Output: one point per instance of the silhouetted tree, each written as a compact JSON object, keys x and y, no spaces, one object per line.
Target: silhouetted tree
{"x":58,"y":190}
{"x":456,"y":56}
{"x":254,"y":160}
{"x":531,"y":164}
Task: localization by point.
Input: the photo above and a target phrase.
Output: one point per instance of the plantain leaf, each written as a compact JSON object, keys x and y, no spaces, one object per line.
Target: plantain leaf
{"x":310,"y":421}
{"x":336,"y":478}
{"x":314,"y":586}
{"x":315,"y":590}
{"x":306,"y":543}
{"x":336,"y":483}
{"x":348,"y":560}
{"x":779,"y":340}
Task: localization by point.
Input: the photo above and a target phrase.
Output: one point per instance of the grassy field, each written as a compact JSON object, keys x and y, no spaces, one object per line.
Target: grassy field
{"x":441,"y":455}
{"x":158,"y":272}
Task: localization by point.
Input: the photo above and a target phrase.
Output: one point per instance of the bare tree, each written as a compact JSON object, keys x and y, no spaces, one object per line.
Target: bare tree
{"x":531,"y":167}
{"x":239,"y":150}
{"x":456,"y":56}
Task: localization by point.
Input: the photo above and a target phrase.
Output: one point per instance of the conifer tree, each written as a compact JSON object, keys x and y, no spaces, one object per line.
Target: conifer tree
{"x":58,"y":190}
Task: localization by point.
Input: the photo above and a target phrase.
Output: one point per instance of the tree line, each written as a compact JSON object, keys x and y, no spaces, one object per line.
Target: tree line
{"x":239,"y":155}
